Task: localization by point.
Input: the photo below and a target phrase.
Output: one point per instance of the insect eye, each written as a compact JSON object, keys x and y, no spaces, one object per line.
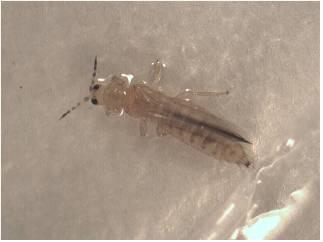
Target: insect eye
{"x":94,"y":101}
{"x":96,"y":86}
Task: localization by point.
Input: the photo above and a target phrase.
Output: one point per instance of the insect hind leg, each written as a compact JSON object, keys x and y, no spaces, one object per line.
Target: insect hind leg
{"x":189,"y":94}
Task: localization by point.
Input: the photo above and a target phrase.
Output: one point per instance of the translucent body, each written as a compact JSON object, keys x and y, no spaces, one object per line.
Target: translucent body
{"x":173,"y":116}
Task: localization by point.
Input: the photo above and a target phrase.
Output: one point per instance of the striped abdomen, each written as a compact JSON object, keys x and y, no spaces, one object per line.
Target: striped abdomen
{"x":209,"y":140}
{"x":190,"y":124}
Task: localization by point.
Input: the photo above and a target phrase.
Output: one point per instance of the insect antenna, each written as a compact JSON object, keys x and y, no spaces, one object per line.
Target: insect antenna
{"x":85,"y":99}
{"x":94,"y":70}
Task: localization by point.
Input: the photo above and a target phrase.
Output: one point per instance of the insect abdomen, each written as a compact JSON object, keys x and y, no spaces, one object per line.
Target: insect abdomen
{"x":209,"y":142}
{"x":190,"y":124}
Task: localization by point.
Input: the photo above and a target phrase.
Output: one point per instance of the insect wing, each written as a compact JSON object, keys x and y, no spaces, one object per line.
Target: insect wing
{"x":175,"y":111}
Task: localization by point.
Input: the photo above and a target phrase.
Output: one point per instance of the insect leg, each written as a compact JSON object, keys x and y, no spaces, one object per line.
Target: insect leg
{"x":188,"y":94}
{"x":156,"y":72}
{"x":161,"y":130}
{"x":143,"y":127}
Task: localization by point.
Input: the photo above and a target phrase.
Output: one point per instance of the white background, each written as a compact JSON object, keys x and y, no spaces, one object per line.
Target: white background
{"x":93,"y":177}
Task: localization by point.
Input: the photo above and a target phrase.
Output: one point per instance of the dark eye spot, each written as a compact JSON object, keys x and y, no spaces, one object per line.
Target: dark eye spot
{"x":96,"y":86}
{"x":94,"y":101}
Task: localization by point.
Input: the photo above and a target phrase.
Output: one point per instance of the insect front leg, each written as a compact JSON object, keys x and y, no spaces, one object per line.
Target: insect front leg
{"x":156,"y":72}
{"x":189,"y":94}
{"x":143,"y":127}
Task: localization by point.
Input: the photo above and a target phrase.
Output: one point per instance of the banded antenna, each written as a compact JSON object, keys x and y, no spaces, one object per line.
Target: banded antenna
{"x":85,"y":99}
{"x":94,"y":70}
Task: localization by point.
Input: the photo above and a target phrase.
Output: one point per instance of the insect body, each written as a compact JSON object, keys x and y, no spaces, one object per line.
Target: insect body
{"x":173,"y":116}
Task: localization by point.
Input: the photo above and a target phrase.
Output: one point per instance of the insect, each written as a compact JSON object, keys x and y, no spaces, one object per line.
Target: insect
{"x":175,"y":116}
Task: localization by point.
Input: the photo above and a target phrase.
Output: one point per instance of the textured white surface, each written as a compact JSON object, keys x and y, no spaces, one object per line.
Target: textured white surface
{"x":93,"y":177}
